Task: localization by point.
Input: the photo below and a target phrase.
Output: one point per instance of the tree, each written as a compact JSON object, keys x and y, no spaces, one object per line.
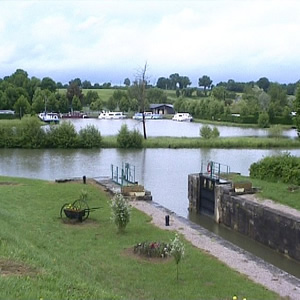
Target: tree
{"x":48,"y":84}
{"x":22,"y":106}
{"x":156,"y":95}
{"x":90,"y":97}
{"x":74,"y":90}
{"x":263,"y":83}
{"x":76,"y":104}
{"x":297,"y":110}
{"x":38,"y":101}
{"x":163,"y":83}
{"x":205,"y":81}
{"x":127,"y":82}
{"x":86,"y":84}
{"x":141,"y":84}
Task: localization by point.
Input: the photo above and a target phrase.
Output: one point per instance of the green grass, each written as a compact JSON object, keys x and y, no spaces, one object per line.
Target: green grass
{"x":279,"y":192}
{"x":90,"y":260}
{"x":104,"y":94}
{"x":217,"y":143}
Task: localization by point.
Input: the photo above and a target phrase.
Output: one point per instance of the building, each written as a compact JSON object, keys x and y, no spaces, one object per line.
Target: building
{"x":162,"y":109}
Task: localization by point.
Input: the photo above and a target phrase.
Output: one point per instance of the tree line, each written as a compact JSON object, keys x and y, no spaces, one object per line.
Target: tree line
{"x":261,"y":102}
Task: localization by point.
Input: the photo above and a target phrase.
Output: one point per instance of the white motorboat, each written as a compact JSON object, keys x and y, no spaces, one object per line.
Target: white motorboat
{"x":111,"y":115}
{"x":182,"y":117}
{"x":148,"y":116}
{"x":49,"y":117}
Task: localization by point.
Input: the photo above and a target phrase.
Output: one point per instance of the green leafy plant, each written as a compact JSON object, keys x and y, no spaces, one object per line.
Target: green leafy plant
{"x":207,"y":132}
{"x":129,"y":139}
{"x":153,"y":249}
{"x":177,"y":250}
{"x":121,"y":211}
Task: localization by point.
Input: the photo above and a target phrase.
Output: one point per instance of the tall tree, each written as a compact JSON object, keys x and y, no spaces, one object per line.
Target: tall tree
{"x":263,"y":83}
{"x":206,"y":82}
{"x":141,"y":82}
{"x":297,"y":110}
{"x":48,"y":84}
{"x":127,"y":81}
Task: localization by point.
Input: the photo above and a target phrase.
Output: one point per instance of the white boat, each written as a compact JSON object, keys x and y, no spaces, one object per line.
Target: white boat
{"x":111,"y":115}
{"x":182,"y":117}
{"x":49,"y":117}
{"x":148,"y":116}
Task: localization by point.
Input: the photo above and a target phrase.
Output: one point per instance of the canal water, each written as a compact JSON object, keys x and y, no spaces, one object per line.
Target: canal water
{"x":162,"y":171}
{"x":171,"y":128}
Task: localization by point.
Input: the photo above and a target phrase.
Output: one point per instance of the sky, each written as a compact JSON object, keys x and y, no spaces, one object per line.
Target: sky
{"x":108,"y":40}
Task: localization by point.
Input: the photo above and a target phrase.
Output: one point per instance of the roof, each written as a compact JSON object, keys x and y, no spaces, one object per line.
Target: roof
{"x":152,"y":106}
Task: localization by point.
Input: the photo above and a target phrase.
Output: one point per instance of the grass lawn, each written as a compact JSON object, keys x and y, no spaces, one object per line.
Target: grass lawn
{"x":218,"y":143}
{"x":282,"y":193}
{"x":54,"y":259}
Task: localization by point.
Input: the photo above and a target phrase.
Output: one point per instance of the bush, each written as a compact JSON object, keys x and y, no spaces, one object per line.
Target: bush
{"x":31,"y":134}
{"x":284,"y":168}
{"x":263,"y":120}
{"x":129,"y":139}
{"x":206,"y":132}
{"x":90,"y":137}
{"x":120,"y":211}
{"x":62,"y":136}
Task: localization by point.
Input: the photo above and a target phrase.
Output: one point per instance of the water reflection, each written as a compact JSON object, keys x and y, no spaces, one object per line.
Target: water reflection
{"x":162,"y":171}
{"x":171,"y":128}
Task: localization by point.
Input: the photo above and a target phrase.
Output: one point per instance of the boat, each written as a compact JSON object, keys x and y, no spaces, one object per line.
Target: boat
{"x":148,"y":116}
{"x":182,"y":117}
{"x":74,"y":115}
{"x":49,"y":117}
{"x":112,"y":115}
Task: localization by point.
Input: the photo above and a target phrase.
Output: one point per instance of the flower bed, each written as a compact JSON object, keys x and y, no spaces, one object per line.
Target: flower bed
{"x":153,"y":249}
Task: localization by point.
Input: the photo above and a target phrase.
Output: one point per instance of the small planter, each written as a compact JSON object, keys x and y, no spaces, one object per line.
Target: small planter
{"x":74,"y":214}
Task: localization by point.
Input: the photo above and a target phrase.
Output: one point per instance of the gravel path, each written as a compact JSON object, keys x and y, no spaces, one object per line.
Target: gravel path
{"x":256,"y":269}
{"x":236,"y":258}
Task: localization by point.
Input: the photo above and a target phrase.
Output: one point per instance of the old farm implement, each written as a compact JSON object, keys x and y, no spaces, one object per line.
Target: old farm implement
{"x":78,"y":210}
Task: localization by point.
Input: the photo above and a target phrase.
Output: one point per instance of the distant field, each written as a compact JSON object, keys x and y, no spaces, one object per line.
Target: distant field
{"x":104,"y":94}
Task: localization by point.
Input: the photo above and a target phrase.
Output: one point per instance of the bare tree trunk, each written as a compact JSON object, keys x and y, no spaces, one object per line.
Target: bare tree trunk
{"x":143,"y":98}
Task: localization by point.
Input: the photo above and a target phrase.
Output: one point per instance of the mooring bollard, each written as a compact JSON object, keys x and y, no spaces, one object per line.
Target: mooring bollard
{"x":84,"y":179}
{"x":167,"y":219}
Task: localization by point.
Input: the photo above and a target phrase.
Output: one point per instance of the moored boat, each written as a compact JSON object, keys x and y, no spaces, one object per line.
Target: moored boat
{"x":74,"y":115}
{"x":148,"y":116}
{"x":49,"y":117}
{"x":112,"y":115}
{"x":182,"y":117}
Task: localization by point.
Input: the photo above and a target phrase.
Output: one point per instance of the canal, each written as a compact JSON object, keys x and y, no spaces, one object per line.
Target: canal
{"x":162,"y":171}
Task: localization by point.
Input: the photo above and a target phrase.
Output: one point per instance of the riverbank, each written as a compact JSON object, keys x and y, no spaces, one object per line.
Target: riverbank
{"x":56,"y":258}
{"x":217,"y":143}
{"x":236,"y":258}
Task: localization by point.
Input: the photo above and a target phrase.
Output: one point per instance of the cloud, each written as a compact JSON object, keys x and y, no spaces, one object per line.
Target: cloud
{"x":239,"y":39}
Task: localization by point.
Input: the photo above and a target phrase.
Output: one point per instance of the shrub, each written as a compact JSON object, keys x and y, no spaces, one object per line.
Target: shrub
{"x":123,"y":137}
{"x":63,"y":135}
{"x":90,"y":137}
{"x":206,"y":132}
{"x":284,"y":168}
{"x":275,"y":131}
{"x":152,"y":249}
{"x":129,"y":139}
{"x":263,"y":120}
{"x":121,"y":211}
{"x":177,"y":250}
{"x":31,"y":134}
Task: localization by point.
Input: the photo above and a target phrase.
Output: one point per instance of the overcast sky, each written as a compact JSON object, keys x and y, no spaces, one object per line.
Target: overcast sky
{"x":107,"y":41}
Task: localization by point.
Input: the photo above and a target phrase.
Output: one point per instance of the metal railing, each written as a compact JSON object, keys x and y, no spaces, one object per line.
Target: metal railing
{"x":214,"y":169}
{"x":123,"y":176}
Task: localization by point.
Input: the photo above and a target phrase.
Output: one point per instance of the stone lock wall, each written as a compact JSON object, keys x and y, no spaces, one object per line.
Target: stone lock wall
{"x":273,"y":228}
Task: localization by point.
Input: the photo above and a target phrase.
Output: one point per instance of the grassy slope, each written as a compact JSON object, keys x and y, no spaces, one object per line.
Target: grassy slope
{"x":90,"y":261}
